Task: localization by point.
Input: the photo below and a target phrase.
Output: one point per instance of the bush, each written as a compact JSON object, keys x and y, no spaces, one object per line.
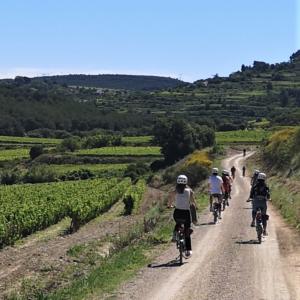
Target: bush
{"x":36,"y":151}
{"x":10,"y":177}
{"x":40,"y":173}
{"x":81,"y":174}
{"x":71,"y":144}
{"x":135,"y":171}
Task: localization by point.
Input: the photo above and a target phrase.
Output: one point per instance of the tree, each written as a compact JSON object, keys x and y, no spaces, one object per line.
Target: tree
{"x":179,"y":138}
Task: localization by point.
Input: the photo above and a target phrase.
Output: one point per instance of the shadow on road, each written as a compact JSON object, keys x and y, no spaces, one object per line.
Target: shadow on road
{"x":207,"y":223}
{"x":172,"y":263}
{"x":250,"y":242}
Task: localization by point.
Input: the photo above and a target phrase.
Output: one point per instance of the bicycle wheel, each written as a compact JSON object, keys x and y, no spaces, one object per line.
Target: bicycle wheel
{"x":259,"y":233}
{"x":215,"y":216}
{"x":181,"y":249}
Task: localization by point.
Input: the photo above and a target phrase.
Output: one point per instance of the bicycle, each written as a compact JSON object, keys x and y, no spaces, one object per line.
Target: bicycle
{"x":180,"y":241}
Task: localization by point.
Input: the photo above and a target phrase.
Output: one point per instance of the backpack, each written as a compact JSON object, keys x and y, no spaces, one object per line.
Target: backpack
{"x":261,"y":190}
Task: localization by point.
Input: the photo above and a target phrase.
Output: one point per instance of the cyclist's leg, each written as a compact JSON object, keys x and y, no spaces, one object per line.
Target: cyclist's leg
{"x":264,"y":217}
{"x":254,"y":210}
{"x":187,"y":227}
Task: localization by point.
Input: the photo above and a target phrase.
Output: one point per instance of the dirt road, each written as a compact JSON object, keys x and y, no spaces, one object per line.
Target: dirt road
{"x":227,"y":262}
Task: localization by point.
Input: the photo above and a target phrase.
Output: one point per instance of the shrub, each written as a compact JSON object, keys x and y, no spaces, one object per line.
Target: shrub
{"x":134,"y":171}
{"x":36,"y":151}
{"x":81,"y":174}
{"x":40,"y":173}
{"x":10,"y":177}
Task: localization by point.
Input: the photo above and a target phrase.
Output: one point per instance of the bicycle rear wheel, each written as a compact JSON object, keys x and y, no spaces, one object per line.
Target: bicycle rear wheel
{"x":181,"y":249}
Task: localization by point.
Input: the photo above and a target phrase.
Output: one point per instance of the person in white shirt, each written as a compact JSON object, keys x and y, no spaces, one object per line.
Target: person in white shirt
{"x":183,"y":197}
{"x":216,"y":187}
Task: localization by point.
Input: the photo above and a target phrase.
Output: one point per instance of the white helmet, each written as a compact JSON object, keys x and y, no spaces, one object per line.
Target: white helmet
{"x":225,"y":172}
{"x":182,"y":179}
{"x":215,"y":171}
{"x":261,"y":176}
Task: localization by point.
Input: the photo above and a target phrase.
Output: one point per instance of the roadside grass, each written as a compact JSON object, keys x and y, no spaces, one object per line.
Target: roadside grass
{"x":286,"y":201}
{"x":284,"y":193}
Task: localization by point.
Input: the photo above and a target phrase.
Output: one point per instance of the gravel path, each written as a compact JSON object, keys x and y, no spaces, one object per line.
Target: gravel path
{"x":227,"y":262}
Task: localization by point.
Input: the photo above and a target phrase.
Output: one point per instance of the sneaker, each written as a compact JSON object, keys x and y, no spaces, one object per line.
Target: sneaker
{"x":227,"y":203}
{"x":188,"y":253}
{"x":265,"y":233}
{"x":252,"y":224}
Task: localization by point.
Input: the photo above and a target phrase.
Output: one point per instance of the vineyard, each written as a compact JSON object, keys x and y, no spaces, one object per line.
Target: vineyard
{"x":28,"y":140}
{"x":14,"y":154}
{"x":121,"y":151}
{"x":96,"y":168}
{"x":27,"y":208}
{"x":241,"y":136}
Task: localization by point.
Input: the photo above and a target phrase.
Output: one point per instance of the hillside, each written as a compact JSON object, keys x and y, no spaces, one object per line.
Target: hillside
{"x":108,"y":81}
{"x":259,"y":95}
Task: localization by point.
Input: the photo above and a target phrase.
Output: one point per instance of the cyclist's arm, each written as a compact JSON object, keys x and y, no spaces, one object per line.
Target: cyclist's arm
{"x":171,"y":199}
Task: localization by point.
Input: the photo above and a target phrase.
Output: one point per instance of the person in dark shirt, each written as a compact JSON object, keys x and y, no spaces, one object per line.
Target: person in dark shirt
{"x":260,"y":194}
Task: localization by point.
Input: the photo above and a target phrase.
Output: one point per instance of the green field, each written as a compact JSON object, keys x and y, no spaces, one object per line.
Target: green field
{"x":13,"y":154}
{"x":28,"y":140}
{"x":62,"y":169}
{"x":121,"y":151}
{"x":136,"y":140}
{"x":241,"y":136}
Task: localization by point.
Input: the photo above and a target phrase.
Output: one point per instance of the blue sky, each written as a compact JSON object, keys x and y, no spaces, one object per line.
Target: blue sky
{"x":189,"y":39}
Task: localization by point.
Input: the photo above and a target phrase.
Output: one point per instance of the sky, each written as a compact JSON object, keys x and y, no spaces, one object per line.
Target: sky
{"x":189,"y":40}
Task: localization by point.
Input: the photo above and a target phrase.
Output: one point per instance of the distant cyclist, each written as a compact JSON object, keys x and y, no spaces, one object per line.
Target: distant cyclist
{"x":244,"y":152}
{"x":183,"y":197}
{"x":233,"y":170}
{"x":244,"y":171}
{"x":215,"y":187}
{"x":260,"y":194}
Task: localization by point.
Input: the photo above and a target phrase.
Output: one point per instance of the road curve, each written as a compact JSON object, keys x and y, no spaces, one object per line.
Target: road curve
{"x":227,"y":261}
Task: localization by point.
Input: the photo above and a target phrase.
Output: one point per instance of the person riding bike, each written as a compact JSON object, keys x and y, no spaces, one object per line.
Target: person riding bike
{"x":244,"y":152}
{"x":183,"y":197}
{"x":260,"y":194}
{"x":233,"y":169}
{"x":254,"y":177}
{"x":215,"y":187}
{"x":226,"y":184}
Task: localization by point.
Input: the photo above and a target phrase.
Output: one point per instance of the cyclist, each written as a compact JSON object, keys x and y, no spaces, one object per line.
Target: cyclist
{"x":260,"y":194}
{"x":233,"y":169}
{"x":244,"y":171}
{"x":215,"y":187}
{"x":183,"y":197}
{"x":244,"y":152}
{"x":254,"y":177}
{"x":226,"y":184}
